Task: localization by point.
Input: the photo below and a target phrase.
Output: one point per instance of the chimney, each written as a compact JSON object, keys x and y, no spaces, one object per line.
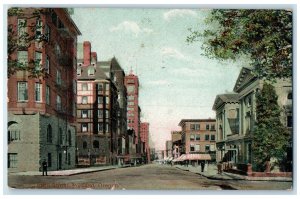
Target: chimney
{"x":93,"y":57}
{"x":86,"y":53}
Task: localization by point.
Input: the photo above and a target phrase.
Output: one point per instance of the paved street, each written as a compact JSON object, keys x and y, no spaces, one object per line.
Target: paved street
{"x":146,"y":177}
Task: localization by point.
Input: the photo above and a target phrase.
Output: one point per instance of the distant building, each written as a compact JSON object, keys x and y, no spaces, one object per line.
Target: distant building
{"x":144,"y":131}
{"x":176,"y":143}
{"x":169,"y":149}
{"x":41,"y":110}
{"x":198,"y":137}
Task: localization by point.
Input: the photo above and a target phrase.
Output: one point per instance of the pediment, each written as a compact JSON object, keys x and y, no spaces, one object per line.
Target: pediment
{"x":243,"y":79}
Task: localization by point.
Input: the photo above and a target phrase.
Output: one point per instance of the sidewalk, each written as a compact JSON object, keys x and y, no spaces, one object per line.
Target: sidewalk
{"x":211,"y":172}
{"x":70,"y":171}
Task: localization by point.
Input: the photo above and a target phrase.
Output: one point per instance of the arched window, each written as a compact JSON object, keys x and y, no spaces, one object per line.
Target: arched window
{"x":96,"y":144}
{"x":69,"y":138}
{"x":49,"y":134}
{"x":84,"y":145}
{"x":60,"y":136}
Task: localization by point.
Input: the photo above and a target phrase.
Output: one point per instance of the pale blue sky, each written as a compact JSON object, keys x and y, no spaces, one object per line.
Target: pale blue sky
{"x":176,"y":81}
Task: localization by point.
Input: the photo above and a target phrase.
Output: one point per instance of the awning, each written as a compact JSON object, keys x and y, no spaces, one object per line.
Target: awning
{"x":181,"y":158}
{"x":198,"y":157}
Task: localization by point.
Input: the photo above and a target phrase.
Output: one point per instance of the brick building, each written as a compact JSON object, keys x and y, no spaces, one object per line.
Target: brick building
{"x":133,"y":112}
{"x":176,"y":143}
{"x":41,"y":109}
{"x":144,"y":130}
{"x":198,"y":137}
{"x":97,"y":111}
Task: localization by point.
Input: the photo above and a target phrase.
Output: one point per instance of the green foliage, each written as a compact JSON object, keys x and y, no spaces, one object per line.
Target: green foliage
{"x":263,"y":35}
{"x":270,"y":137}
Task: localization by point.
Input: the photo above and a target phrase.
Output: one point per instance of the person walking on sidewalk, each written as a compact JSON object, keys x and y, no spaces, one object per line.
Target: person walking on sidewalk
{"x":202,"y":165}
{"x":44,"y":166}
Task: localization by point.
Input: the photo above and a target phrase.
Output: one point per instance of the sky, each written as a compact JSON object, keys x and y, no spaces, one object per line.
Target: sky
{"x":176,"y":81}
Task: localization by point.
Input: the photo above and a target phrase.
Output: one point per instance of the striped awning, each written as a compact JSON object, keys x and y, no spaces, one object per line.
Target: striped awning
{"x":198,"y":157}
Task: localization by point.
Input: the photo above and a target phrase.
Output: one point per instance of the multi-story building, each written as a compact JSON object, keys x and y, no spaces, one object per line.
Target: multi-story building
{"x":198,"y":137}
{"x":227,"y":123}
{"x":176,"y":143}
{"x":41,"y":108}
{"x":169,"y":148}
{"x":144,"y":131}
{"x":97,"y":108}
{"x":133,"y":112}
{"x":235,"y":140}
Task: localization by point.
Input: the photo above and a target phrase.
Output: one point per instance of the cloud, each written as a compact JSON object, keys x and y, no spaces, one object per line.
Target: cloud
{"x":130,"y":26}
{"x":172,"y":52}
{"x":179,"y":13}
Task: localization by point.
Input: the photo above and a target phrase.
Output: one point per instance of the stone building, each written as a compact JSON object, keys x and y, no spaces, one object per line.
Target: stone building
{"x":236,"y":145}
{"x":41,"y":109}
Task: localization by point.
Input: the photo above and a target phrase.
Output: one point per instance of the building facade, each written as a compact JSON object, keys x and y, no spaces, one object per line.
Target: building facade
{"x":144,"y":131}
{"x":41,"y":108}
{"x":97,"y":111}
{"x":227,"y":124}
{"x":198,"y":136}
{"x":176,"y":143}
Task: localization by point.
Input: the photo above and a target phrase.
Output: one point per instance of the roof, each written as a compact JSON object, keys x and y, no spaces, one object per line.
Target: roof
{"x":244,"y":78}
{"x":225,"y":98}
{"x":195,"y":120}
{"x":99,"y":73}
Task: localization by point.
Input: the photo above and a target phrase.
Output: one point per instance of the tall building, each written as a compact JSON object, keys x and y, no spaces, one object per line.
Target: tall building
{"x":198,"y":137}
{"x":41,"y":109}
{"x":133,"y":112}
{"x":176,"y":143}
{"x":97,"y":111}
{"x":144,"y":130}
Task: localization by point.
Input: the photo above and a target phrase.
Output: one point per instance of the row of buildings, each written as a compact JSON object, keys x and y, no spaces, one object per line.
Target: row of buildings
{"x":229,"y":136}
{"x":78,"y":111}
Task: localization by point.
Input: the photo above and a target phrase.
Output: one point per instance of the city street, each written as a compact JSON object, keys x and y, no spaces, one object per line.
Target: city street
{"x":146,"y":177}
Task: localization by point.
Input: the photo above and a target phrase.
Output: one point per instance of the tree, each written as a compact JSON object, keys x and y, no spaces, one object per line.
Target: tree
{"x":265,"y":36}
{"x":20,"y":37}
{"x":270,"y":137}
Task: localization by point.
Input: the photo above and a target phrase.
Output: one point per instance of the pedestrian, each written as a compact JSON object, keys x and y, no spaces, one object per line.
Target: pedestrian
{"x":202,"y":166}
{"x":44,"y":166}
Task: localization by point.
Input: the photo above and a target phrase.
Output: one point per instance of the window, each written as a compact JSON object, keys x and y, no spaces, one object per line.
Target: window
{"x":22,"y":58}
{"x":47,"y":32}
{"x":84,"y":127}
{"x":100,"y":113}
{"x":100,"y":100}
{"x":290,"y":95}
{"x":58,"y":77}
{"x":96,"y":144}
{"x":131,"y":97}
{"x":84,"y":86}
{"x":107,"y":100}
{"x":212,"y":127}
{"x":12,"y":160}
{"x":84,"y":100}
{"x":54,"y":18}
{"x":192,"y":137}
{"x":13,"y":135}
{"x":207,"y":126}
{"x":58,"y":102}
{"x":48,"y":95}
{"x":84,"y":113}
{"x":22,"y":91}
{"x":192,"y":147}
{"x":197,"y":136}
{"x":289,"y":121}
{"x":38,"y":29}
{"x":47,"y":66}
{"x":69,"y":138}
{"x":212,"y":137}
{"x":38,"y":92}
{"x":84,"y":145}
{"x":130,"y":103}
{"x":106,"y":127}
{"x":195,"y":126}
{"x":91,"y":71}
{"x":130,"y":89}
{"x":49,"y":134}
{"x":206,"y":137}
{"x":22,"y":31}
{"x":69,"y":159}
{"x":49,"y":160}
{"x":207,"y":147}
{"x":100,"y":87}
{"x":100,"y":127}
{"x":78,"y":71}
{"x":197,"y":147}
{"x":60,"y":136}
{"x":106,"y":114}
